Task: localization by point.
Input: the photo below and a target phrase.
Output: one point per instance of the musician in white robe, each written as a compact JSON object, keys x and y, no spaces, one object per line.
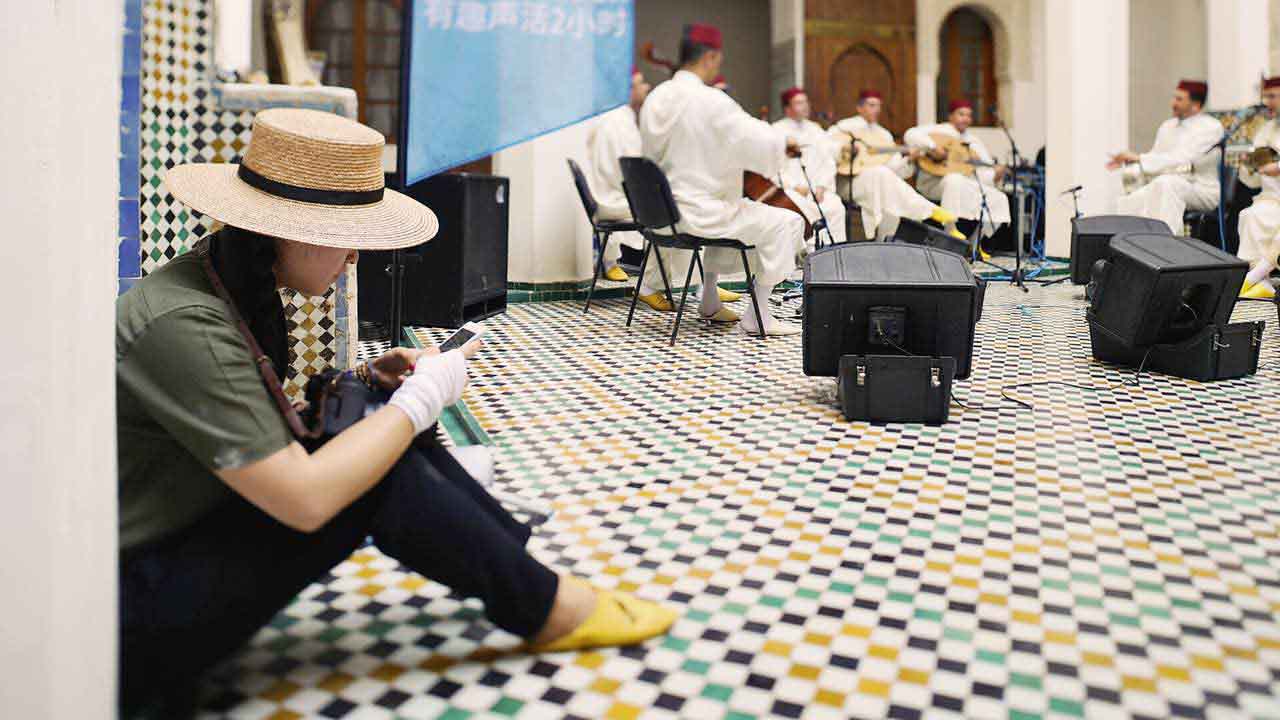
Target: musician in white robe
{"x":616,"y":135}
{"x":703,"y":141}
{"x":963,"y":194}
{"x":818,"y":159}
{"x":1260,"y":222}
{"x":1181,"y":170}
{"x":881,"y":191}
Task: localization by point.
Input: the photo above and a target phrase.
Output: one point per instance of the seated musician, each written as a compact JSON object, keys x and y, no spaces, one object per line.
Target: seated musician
{"x":962,"y":193}
{"x":1181,"y":170}
{"x":617,"y":135}
{"x":879,"y":188}
{"x":1260,"y":222}
{"x":818,"y":162}
{"x":703,"y":141}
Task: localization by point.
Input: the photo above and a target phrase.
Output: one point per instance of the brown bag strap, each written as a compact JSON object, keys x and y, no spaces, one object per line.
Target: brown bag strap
{"x":260,"y":359}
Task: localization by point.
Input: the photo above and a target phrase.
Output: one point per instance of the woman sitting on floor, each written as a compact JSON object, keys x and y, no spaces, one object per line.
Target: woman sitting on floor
{"x":224,"y":515}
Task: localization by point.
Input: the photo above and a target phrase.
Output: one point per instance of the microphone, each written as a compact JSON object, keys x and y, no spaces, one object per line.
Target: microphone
{"x":1075,"y":189}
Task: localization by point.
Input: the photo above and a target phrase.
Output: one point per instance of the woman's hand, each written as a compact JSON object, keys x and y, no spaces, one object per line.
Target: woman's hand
{"x":390,"y":370}
{"x":1270,"y":169}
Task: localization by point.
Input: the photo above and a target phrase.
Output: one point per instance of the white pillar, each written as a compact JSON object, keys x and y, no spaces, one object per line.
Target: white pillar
{"x":60,"y":63}
{"x":549,"y":238}
{"x":1239,"y":50}
{"x":1087,"y":109}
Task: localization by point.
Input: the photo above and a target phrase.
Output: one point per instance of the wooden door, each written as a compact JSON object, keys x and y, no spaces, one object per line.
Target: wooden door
{"x":851,"y":45}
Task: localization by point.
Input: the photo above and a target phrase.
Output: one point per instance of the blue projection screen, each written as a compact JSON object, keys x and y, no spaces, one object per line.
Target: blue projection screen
{"x":482,"y":75}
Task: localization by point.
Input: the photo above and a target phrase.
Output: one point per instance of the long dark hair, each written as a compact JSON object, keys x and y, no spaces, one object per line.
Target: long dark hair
{"x":244,"y":261}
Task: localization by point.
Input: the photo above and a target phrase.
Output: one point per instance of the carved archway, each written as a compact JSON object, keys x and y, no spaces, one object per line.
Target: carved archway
{"x":863,"y":66}
{"x":967,"y":68}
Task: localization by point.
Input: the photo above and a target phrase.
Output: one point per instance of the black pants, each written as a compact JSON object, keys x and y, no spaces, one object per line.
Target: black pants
{"x":192,"y":599}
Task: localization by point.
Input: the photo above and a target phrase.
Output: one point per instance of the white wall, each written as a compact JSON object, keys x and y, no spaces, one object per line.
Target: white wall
{"x":1239,"y":52}
{"x":550,"y":240}
{"x":1167,"y":44}
{"x":60,"y":65}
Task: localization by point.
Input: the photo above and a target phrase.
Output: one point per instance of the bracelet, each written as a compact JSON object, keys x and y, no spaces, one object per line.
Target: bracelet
{"x":364,"y":371}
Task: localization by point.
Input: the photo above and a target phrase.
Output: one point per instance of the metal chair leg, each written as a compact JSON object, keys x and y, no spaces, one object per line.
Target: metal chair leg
{"x":636,"y":295}
{"x":751,"y":290}
{"x":684,"y":295}
{"x":666,"y":281}
{"x":602,"y":245}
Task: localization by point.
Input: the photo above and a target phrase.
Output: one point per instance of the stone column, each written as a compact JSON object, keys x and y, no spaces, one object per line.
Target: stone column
{"x":1087,"y":108}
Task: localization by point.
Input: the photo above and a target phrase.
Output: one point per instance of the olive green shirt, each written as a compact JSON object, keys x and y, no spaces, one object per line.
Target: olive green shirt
{"x":189,"y":401}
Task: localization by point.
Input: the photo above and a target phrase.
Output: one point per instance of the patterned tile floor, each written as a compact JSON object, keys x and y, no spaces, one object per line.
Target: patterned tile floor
{"x":1111,"y":553}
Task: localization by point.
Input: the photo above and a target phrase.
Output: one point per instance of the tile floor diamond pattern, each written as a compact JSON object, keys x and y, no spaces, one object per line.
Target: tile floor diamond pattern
{"x":1110,"y":554}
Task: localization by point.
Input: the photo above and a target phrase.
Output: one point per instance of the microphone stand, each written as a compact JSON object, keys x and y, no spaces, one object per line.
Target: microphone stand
{"x":1221,"y":146}
{"x":1018,"y":277}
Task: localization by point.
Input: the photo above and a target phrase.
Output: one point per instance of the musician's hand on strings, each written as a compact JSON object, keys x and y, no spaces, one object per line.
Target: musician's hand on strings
{"x":939,"y":154}
{"x":803,"y":190}
{"x":793,"y":148}
{"x":1270,"y":170}
{"x":1121,"y":159}
{"x":915,"y":154}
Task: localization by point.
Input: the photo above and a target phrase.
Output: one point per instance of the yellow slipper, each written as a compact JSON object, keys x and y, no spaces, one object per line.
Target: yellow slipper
{"x":619,"y":619}
{"x":956,"y":234}
{"x":1260,"y":291}
{"x":657,"y":301}
{"x":616,"y":274}
{"x":983,"y":254}
{"x":942,"y":216}
{"x":723,"y":315}
{"x":728,"y":295}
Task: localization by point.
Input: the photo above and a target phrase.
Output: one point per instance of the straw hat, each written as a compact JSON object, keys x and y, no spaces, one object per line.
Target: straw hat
{"x":308,"y":176}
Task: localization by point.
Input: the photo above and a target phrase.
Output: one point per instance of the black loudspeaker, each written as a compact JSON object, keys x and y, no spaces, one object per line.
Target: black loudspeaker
{"x":1091,"y":236}
{"x":886,"y":299}
{"x":458,"y":276}
{"x":918,"y":233}
{"x":1160,"y":289}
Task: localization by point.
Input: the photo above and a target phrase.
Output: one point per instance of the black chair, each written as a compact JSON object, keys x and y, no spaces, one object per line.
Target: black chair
{"x":1200,"y":220}
{"x":601,"y":230}
{"x":653,"y":206}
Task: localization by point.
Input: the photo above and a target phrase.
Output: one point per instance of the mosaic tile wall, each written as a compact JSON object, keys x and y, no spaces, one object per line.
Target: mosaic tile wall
{"x":180,"y":122}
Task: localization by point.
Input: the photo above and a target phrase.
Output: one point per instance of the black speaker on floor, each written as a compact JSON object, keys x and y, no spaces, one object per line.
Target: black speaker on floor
{"x":886,"y":299}
{"x":458,"y":276}
{"x":918,"y":233}
{"x":1091,"y":236}
{"x":1160,"y":289}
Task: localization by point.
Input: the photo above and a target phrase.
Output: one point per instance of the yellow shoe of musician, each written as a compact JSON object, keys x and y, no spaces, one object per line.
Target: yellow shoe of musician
{"x":616,"y":274}
{"x":1260,"y":291}
{"x":728,"y":295}
{"x":1246,"y":287}
{"x":618,"y":620}
{"x":942,"y":216}
{"x":657,"y":301}
{"x":953,"y":232}
{"x":723,"y":315}
{"x":983,"y":254}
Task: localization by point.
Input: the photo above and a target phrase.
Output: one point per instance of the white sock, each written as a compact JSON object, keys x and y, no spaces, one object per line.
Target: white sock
{"x":749,"y":317}
{"x":1259,"y":273}
{"x":710,"y":303}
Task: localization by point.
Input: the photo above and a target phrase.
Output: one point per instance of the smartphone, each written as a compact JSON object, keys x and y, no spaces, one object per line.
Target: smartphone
{"x":464,"y":335}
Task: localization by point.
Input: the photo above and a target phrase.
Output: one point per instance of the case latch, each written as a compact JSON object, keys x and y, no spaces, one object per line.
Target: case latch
{"x":862,"y":375}
{"x":935,"y":377}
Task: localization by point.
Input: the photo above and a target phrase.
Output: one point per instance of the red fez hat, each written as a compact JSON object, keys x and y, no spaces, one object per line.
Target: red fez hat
{"x":1271,"y":82}
{"x":708,"y":35}
{"x":790,"y":93}
{"x":1194,"y":88}
{"x":955,"y":105}
{"x":869,"y":94}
